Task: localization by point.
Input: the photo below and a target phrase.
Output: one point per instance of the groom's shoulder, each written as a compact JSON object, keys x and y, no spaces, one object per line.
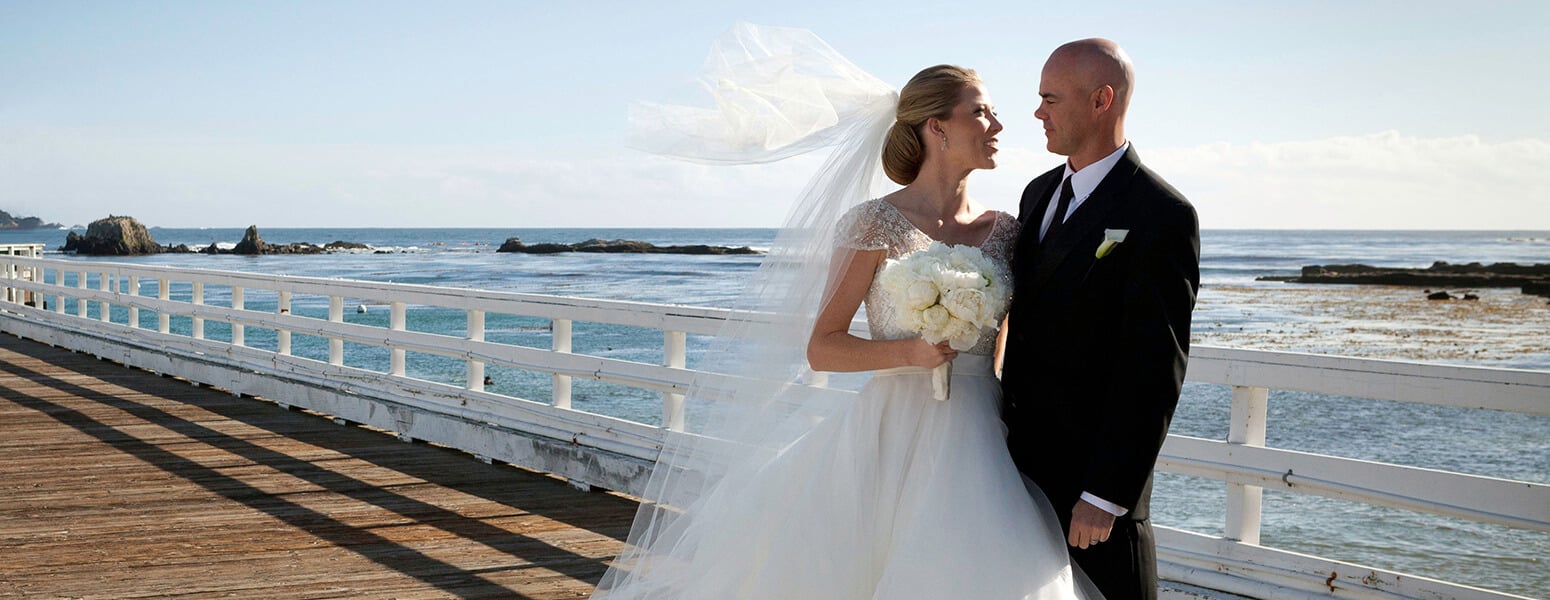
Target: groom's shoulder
{"x":1162,"y":195}
{"x":1153,"y":183}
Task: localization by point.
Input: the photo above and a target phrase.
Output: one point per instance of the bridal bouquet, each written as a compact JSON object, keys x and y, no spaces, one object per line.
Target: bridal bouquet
{"x":943,"y":292}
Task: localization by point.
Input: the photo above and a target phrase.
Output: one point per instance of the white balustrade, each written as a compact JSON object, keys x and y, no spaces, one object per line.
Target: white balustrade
{"x":675,"y":349}
{"x":335,"y":344}
{"x":475,"y":368}
{"x":238,"y":302}
{"x":103,"y":309}
{"x":549,"y":435}
{"x":134,"y":311}
{"x":560,"y":334}
{"x":282,"y":335}
{"x":1250,"y":406}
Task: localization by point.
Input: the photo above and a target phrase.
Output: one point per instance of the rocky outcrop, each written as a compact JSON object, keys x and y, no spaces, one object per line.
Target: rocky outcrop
{"x":515,"y":244}
{"x":1534,"y":279}
{"x":113,"y":236}
{"x":295,"y":248}
{"x":251,"y":244}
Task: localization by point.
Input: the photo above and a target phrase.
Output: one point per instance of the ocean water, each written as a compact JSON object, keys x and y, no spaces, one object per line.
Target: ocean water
{"x":1234,"y":310}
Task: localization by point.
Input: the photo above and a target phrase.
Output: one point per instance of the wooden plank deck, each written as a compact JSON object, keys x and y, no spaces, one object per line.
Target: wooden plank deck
{"x":119,"y":483}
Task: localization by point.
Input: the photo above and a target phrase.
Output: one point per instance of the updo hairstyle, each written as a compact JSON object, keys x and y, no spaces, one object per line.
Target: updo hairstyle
{"x":933,"y":92}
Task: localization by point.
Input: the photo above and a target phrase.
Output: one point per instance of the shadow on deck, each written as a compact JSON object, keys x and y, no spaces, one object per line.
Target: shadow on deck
{"x":118,"y":483}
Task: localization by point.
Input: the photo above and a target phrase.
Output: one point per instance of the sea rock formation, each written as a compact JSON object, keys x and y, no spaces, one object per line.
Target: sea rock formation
{"x":113,"y":236}
{"x":514,"y":244}
{"x":1533,"y":279}
{"x":251,"y":244}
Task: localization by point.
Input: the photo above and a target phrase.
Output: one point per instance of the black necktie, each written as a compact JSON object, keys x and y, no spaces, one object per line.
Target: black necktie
{"x":1061,"y":206}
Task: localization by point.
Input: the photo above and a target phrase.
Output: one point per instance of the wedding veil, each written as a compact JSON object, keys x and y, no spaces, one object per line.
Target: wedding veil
{"x":778,"y":93}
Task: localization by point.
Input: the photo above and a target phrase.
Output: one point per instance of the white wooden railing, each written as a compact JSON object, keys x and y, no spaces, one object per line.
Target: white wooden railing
{"x":598,"y":450}
{"x":30,"y":250}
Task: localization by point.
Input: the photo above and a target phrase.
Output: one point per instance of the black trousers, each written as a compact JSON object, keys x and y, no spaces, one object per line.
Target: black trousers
{"x":1125,"y":566}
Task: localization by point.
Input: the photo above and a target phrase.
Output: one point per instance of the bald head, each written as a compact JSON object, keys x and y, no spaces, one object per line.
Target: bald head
{"x":1085,"y":88}
{"x":1096,"y":62}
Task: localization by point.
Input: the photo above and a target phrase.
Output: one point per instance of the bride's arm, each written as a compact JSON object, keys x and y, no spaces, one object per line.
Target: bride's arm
{"x":1001,"y":346}
{"x":832,"y":348}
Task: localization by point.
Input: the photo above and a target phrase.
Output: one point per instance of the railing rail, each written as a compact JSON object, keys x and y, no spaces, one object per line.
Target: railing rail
{"x":593,"y":449}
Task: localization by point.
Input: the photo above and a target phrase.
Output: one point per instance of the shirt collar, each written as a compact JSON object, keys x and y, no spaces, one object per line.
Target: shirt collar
{"x":1084,"y":181}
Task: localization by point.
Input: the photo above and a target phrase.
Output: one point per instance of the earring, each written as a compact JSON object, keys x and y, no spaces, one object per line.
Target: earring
{"x":944,"y":143}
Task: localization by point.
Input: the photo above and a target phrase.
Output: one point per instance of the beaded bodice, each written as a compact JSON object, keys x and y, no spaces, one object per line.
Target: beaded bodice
{"x":877,"y":225}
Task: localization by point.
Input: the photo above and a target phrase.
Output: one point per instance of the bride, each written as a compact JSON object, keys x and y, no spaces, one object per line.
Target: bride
{"x":788,"y":490}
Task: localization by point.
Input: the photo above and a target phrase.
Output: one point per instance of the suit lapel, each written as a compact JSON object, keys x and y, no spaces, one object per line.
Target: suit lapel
{"x":1088,"y":217}
{"x":1033,"y":217}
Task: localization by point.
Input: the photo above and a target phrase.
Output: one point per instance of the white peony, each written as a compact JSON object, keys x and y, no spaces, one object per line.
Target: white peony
{"x":961,"y":335}
{"x":920,"y":294}
{"x":967,"y":304}
{"x":934,"y":319}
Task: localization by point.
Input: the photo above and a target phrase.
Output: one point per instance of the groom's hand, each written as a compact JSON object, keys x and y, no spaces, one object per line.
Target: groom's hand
{"x":1089,"y":525}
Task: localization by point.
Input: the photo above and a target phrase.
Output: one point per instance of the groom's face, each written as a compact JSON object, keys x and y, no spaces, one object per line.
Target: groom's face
{"x":1063,"y":108}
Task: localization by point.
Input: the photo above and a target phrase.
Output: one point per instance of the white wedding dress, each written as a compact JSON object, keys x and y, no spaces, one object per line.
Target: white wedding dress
{"x":896,"y":496}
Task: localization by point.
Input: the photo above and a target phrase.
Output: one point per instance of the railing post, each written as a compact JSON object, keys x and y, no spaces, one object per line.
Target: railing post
{"x":80,"y":300}
{"x":675,"y":347}
{"x":238,"y":336}
{"x":283,"y":336}
{"x":103,"y":308}
{"x":33,"y":275}
{"x":560,"y":340}
{"x":475,"y":334}
{"x":134,"y":311}
{"x":10,"y":273}
{"x":59,"y":296}
{"x":1247,"y":427}
{"x":163,"y":293}
{"x":198,"y":299}
{"x":335,"y":345}
{"x":396,"y":323}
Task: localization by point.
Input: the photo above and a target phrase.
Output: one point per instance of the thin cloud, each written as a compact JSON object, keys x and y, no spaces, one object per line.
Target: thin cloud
{"x":1379,"y":181}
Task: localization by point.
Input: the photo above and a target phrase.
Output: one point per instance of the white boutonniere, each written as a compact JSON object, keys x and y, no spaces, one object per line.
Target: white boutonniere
{"x":1111,"y":238}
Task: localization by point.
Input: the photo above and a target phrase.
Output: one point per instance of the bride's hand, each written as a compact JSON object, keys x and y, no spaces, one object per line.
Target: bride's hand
{"x":924,"y":354}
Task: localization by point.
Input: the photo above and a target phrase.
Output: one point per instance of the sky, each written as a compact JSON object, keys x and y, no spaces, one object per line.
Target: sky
{"x":1266,"y":115}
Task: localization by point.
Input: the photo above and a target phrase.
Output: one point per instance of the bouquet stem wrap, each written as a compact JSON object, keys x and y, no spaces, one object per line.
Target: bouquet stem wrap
{"x":942,"y":380}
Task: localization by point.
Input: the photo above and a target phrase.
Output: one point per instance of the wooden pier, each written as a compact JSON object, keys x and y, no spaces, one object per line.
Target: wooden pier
{"x":120,"y":483}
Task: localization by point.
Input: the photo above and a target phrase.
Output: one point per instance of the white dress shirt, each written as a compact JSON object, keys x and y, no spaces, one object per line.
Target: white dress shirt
{"x":1082,"y":184}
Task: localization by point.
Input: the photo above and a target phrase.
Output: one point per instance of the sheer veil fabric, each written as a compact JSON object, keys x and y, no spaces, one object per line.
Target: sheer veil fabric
{"x":778,"y":93}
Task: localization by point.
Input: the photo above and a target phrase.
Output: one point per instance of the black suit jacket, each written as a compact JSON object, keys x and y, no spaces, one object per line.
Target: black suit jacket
{"x":1097,"y":348}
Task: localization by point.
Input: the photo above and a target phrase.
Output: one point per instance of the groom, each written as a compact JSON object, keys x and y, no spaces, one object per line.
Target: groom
{"x":1097,"y":345}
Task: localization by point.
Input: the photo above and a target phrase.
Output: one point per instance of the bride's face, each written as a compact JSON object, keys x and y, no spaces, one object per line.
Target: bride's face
{"x":971,"y":130}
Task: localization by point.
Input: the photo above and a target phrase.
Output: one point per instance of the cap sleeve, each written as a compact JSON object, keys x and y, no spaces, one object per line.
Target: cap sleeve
{"x":863,"y":227}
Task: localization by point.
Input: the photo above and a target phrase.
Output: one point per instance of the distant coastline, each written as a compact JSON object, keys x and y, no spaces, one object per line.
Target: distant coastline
{"x":10,"y":223}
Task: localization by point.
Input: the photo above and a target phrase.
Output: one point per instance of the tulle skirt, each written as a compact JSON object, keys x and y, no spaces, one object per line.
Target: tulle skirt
{"x":899,"y":496}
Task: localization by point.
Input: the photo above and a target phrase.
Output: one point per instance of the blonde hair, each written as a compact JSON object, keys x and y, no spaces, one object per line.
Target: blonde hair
{"x":933,"y":92}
